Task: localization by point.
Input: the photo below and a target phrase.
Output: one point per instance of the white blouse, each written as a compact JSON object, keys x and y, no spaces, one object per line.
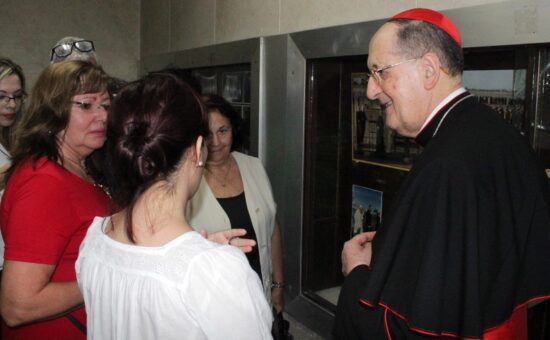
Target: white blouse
{"x":190,"y":288}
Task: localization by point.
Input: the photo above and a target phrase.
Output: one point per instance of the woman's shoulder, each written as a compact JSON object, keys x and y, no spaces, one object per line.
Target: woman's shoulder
{"x":247,"y":160}
{"x":94,"y":232}
{"x":244,"y":157}
{"x":39,"y":166}
{"x":186,"y":255}
{"x":218,"y":258}
{"x":194,"y":247}
{"x":38,"y":173}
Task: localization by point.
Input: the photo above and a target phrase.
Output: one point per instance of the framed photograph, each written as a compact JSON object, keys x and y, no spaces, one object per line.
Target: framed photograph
{"x":502,"y":90}
{"x":207,"y":80}
{"x":373,"y":142}
{"x":366,"y":209}
{"x":232,"y":86}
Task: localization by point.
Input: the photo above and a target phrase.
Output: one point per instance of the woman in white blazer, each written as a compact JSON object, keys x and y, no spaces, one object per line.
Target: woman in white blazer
{"x":236,"y":193}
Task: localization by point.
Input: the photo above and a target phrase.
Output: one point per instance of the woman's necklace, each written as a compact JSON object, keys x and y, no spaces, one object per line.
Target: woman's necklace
{"x":76,"y":168}
{"x":79,"y":169}
{"x":223,"y":180}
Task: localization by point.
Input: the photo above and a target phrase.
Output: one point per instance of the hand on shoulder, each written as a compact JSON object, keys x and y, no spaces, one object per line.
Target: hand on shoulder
{"x":231,"y":237}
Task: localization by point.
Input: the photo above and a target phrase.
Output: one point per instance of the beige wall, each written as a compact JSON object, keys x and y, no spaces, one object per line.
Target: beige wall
{"x":173,"y":25}
{"x":125,"y":31}
{"x":31,"y":27}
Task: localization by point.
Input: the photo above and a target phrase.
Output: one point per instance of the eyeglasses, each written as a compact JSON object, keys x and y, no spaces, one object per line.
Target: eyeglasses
{"x":17,"y":99}
{"x":66,"y":49}
{"x":89,"y":107}
{"x":378,"y":75}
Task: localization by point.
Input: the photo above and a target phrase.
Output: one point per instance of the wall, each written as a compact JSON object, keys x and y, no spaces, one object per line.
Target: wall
{"x":125,"y":31}
{"x":173,"y":25}
{"x":31,"y":27}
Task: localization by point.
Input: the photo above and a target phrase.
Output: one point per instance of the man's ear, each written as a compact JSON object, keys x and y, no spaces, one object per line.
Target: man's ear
{"x":431,"y":70}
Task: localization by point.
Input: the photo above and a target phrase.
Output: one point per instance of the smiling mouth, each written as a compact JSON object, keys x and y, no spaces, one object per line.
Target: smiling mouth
{"x":385,"y":105}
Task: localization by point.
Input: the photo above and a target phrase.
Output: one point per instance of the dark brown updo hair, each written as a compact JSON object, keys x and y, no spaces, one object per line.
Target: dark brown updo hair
{"x":152,"y":122}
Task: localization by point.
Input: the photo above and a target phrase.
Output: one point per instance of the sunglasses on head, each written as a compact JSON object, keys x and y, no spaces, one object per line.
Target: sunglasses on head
{"x":66,"y":49}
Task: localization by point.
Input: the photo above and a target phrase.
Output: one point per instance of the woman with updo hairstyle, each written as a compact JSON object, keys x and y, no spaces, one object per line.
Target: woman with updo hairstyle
{"x":145,"y":264}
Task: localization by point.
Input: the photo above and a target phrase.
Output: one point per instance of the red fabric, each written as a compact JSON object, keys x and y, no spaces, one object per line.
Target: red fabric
{"x":515,"y":328}
{"x":434,"y":18}
{"x":44,"y":216}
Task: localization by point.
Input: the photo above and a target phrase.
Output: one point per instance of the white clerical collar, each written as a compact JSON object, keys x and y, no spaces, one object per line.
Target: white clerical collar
{"x":444,"y":102}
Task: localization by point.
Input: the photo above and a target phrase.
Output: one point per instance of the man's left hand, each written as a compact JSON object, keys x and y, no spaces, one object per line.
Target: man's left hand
{"x":357,"y":251}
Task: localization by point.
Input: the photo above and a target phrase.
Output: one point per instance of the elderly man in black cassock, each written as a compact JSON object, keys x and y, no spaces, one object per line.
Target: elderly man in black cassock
{"x":467,"y":245}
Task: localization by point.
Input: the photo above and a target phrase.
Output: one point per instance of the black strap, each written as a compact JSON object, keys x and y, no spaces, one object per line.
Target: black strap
{"x":76,"y":323}
{"x":280,"y":327}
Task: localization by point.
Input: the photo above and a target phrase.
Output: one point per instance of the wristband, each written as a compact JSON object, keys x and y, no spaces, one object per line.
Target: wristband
{"x":275,"y":284}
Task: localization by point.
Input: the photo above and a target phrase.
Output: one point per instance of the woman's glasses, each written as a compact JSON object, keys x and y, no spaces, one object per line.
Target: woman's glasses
{"x":66,"y":49}
{"x":17,"y":99}
{"x":90,"y":107}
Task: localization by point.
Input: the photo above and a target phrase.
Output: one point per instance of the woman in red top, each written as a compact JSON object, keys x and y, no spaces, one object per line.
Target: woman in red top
{"x":50,"y":200}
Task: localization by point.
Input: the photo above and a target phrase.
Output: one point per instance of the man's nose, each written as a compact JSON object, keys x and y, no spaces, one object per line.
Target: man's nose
{"x":373,"y":89}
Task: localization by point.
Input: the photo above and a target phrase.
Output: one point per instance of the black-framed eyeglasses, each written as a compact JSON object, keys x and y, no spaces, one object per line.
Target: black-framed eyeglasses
{"x":17,"y":99}
{"x":377,"y":74}
{"x":66,"y":49}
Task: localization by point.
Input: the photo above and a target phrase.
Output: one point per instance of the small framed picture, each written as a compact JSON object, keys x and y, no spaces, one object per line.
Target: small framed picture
{"x":232,"y":87}
{"x":366,"y":209}
{"x":207,"y":80}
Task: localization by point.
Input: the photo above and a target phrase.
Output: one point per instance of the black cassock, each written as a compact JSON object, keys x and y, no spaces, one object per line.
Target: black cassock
{"x":468,"y":239}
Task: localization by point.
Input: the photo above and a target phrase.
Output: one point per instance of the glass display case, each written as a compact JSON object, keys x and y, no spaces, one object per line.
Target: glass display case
{"x":348,"y":184}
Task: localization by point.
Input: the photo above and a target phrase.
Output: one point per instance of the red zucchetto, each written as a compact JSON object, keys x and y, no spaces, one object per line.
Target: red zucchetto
{"x":434,"y":18}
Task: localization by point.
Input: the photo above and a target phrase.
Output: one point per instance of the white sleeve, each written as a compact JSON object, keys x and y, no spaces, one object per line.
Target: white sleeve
{"x":225,"y":296}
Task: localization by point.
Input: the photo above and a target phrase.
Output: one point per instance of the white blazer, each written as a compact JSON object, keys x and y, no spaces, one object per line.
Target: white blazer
{"x":204,"y":211}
